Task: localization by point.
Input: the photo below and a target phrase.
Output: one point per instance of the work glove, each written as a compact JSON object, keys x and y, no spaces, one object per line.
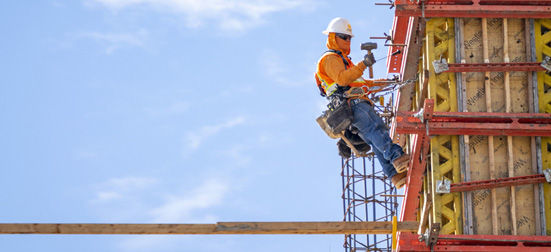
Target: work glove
{"x":369,"y":59}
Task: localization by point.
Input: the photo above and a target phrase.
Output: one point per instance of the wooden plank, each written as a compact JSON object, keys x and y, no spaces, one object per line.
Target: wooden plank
{"x":510,"y":157}
{"x":423,"y":221}
{"x":491,"y":157}
{"x":204,"y":229}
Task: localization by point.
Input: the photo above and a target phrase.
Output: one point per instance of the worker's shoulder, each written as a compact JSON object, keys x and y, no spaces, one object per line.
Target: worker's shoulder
{"x":331,"y":53}
{"x":331,"y":56}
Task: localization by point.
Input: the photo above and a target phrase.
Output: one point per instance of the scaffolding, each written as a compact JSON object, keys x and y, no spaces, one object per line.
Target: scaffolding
{"x":368,"y":195}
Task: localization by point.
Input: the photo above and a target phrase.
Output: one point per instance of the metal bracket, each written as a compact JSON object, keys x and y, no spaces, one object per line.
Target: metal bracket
{"x":547,"y":173}
{"x":546,"y":63}
{"x":443,"y":186}
{"x":420,"y":115}
{"x":440,"y":66}
{"x":431,"y":235}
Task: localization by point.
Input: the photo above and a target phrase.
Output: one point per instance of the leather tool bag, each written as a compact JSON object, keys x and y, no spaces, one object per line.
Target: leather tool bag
{"x":340,"y":117}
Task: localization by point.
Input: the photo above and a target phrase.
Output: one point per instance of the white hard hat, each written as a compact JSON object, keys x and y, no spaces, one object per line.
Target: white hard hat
{"x":339,"y":25}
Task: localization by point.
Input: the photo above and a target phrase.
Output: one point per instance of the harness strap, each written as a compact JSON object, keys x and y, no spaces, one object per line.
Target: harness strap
{"x":346,"y":64}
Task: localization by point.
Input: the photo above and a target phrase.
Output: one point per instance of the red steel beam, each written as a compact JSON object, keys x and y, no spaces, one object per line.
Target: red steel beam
{"x":475,"y":2}
{"x":495,"y":183}
{"x":495,"y":67}
{"x":401,"y":28}
{"x":476,"y":123}
{"x":476,"y":8}
{"x":410,"y":242}
{"x":416,"y":169}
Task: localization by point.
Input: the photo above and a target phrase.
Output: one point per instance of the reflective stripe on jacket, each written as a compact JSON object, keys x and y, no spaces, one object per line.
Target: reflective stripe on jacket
{"x":327,"y":63}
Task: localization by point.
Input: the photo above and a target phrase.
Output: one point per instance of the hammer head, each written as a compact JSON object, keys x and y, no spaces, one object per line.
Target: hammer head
{"x":368,"y":46}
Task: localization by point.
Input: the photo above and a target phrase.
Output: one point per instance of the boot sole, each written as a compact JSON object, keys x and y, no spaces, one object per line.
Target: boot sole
{"x":400,"y":183}
{"x":402,"y":168}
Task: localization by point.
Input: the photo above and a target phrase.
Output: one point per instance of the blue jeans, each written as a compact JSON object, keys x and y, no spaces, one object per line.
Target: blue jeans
{"x":374,"y":132}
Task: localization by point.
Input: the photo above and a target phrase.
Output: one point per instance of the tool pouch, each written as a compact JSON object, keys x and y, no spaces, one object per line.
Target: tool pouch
{"x":340,"y":117}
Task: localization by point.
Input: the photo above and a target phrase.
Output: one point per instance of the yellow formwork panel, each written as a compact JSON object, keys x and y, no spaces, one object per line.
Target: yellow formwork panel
{"x":542,"y":30}
{"x":439,"y":44}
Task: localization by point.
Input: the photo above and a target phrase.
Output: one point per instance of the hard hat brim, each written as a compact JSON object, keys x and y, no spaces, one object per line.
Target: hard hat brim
{"x":326,"y":32}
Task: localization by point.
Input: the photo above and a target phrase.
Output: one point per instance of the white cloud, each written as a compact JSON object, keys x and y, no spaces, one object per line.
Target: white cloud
{"x":179,"y":208}
{"x":122,"y":188}
{"x":119,"y":193}
{"x":115,"y":41}
{"x":195,"y":139}
{"x":139,"y":199}
{"x":229,"y":15}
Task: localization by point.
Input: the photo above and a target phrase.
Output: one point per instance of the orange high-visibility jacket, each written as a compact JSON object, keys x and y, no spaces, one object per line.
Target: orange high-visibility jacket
{"x":331,"y":70}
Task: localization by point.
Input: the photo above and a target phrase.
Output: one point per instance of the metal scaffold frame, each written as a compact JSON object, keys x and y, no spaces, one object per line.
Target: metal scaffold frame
{"x":367,"y":196}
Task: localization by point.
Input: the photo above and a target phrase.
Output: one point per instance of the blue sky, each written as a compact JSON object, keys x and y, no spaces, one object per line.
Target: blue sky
{"x":170,"y":111}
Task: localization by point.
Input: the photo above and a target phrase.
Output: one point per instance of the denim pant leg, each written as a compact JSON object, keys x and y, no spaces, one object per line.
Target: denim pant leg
{"x":388,"y":168}
{"x":373,"y":130}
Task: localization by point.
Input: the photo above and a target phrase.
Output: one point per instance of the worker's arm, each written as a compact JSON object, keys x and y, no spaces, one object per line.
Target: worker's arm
{"x":334,"y":68}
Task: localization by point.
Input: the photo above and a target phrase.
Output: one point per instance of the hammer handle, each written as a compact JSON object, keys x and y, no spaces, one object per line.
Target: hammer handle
{"x":371,"y":72}
{"x":370,"y":68}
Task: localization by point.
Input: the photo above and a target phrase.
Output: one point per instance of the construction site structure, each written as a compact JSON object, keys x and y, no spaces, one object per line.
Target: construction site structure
{"x":476,"y":122}
{"x":368,"y":195}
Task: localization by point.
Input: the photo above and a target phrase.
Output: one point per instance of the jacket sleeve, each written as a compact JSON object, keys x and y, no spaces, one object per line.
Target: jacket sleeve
{"x":334,"y":68}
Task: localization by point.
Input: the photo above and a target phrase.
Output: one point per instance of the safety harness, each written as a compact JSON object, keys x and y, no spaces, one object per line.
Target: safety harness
{"x":356,"y":89}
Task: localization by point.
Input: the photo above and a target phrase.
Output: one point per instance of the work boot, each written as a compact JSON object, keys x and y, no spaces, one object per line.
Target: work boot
{"x":399,"y":180}
{"x":401,"y":164}
{"x":344,"y":151}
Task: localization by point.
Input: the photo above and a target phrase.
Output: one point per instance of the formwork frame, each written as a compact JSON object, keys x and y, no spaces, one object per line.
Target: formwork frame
{"x":542,"y":37}
{"x":443,"y":147}
{"x":440,"y":44}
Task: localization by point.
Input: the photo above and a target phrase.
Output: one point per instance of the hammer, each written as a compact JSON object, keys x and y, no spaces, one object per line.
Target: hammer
{"x":369,"y":46}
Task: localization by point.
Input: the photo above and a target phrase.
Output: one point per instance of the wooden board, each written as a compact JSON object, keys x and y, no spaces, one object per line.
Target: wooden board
{"x":218,"y":228}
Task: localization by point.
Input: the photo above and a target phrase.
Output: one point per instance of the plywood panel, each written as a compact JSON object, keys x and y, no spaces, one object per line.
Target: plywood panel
{"x":518,"y":100}
{"x":525,"y":194}
{"x":475,"y":93}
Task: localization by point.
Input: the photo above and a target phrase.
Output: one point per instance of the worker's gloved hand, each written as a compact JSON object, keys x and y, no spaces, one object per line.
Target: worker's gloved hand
{"x":369,"y":59}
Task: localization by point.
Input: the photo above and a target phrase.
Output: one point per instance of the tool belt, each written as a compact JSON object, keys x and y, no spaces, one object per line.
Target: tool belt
{"x":339,"y":115}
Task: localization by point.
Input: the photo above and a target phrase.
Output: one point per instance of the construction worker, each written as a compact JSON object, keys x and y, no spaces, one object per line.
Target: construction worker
{"x":337,"y":76}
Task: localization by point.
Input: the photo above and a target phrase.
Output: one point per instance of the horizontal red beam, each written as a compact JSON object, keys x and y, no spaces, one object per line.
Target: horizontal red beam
{"x":477,"y":2}
{"x":496,"y":183}
{"x":495,"y":67}
{"x":476,"y":123}
{"x":410,"y":242}
{"x":488,"y":11}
